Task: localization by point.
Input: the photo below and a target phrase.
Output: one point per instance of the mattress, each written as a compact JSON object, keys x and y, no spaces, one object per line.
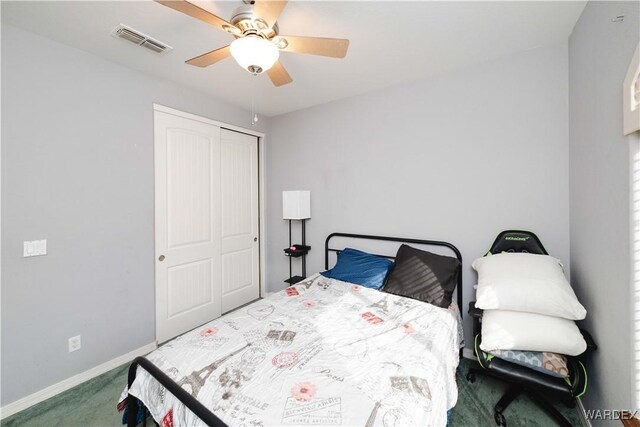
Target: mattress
{"x":321,"y":352}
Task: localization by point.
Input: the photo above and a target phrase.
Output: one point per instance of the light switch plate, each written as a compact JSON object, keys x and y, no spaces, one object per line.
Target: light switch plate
{"x":35,"y":248}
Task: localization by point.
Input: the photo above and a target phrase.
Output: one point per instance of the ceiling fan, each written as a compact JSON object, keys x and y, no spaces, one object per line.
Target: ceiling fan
{"x":258,"y":44}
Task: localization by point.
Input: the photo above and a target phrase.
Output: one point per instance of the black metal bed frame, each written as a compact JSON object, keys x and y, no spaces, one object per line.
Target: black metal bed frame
{"x":181,"y":394}
{"x":198,"y":408}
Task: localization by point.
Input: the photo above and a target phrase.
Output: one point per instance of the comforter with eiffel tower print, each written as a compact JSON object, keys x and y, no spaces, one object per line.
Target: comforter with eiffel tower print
{"x":321,"y":352}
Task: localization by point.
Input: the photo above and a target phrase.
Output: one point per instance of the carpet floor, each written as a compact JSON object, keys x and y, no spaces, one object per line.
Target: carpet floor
{"x":93,"y":404}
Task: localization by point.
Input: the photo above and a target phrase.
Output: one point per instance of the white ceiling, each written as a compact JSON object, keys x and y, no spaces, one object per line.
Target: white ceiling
{"x":391,"y":42}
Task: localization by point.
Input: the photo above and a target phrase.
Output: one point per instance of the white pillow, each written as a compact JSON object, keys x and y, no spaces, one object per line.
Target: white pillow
{"x":525,"y":282}
{"x":512,"y":330}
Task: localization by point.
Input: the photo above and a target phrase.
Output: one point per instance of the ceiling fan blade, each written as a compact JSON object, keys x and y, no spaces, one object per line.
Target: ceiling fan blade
{"x":199,"y":13}
{"x":279,"y":75}
{"x":268,"y":10}
{"x":335,"y":48}
{"x":209,"y":58}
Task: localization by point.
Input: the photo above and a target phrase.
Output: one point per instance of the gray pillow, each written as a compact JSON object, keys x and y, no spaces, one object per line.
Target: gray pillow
{"x":424,"y":276}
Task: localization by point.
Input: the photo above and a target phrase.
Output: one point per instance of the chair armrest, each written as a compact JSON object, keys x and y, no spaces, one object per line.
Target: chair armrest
{"x":474,"y":311}
{"x":591,"y":344}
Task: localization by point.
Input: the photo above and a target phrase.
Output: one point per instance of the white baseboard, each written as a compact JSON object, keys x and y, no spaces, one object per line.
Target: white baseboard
{"x":46,"y":393}
{"x":583,"y":414}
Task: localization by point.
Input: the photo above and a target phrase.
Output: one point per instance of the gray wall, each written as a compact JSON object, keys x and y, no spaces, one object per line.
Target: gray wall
{"x":77,"y":169}
{"x":599,"y":53}
{"x":458,"y":157}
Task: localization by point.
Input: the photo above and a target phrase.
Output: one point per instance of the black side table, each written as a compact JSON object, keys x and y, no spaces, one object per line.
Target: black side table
{"x":297,"y":251}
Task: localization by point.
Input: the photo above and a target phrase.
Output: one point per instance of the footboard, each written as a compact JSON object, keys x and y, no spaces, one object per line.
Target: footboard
{"x":190,"y":402}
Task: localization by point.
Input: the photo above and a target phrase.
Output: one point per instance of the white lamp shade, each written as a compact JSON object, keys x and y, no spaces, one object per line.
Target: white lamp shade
{"x":254,"y":51}
{"x":296,"y":204}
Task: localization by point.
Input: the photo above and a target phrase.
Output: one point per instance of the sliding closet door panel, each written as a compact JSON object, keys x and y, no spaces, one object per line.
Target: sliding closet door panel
{"x":239,"y":210}
{"x":189,"y":287}
{"x":188,"y":230}
{"x":189,"y":188}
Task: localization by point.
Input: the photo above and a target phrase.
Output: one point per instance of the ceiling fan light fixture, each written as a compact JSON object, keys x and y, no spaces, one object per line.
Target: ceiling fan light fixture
{"x":255,"y":54}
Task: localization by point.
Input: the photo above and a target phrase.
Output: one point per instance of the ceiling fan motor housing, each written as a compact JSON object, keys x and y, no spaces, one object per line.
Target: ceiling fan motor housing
{"x":244,"y":19}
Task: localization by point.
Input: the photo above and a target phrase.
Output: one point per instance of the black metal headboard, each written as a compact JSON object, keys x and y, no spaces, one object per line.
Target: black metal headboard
{"x":517,"y":241}
{"x":455,"y":250}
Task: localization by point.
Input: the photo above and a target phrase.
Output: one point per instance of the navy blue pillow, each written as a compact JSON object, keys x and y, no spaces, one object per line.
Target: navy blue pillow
{"x":361,"y":268}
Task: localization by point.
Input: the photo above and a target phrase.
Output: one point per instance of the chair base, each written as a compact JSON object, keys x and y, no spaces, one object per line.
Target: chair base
{"x":514,"y":391}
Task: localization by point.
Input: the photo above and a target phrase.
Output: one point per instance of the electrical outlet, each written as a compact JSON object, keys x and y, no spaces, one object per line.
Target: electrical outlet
{"x":75,"y":343}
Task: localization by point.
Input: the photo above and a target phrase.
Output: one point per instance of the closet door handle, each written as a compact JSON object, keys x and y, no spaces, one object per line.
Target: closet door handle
{"x":161,"y":258}
{"x":255,"y":239}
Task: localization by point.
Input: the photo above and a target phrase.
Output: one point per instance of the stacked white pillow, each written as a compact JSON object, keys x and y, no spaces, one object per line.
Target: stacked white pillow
{"x":529,"y":305}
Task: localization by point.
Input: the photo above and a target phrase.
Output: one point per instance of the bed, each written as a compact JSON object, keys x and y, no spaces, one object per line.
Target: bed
{"x":320,"y":352}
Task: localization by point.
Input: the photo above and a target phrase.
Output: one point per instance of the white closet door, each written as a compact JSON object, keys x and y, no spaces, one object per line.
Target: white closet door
{"x":239,"y":244}
{"x":187,"y":200}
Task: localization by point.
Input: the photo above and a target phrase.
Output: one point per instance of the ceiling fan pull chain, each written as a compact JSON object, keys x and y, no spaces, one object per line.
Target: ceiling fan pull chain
{"x":252,"y":111}
{"x":254,"y":114}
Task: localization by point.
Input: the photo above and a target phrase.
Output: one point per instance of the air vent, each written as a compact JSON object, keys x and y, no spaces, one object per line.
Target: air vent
{"x":141,"y":39}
